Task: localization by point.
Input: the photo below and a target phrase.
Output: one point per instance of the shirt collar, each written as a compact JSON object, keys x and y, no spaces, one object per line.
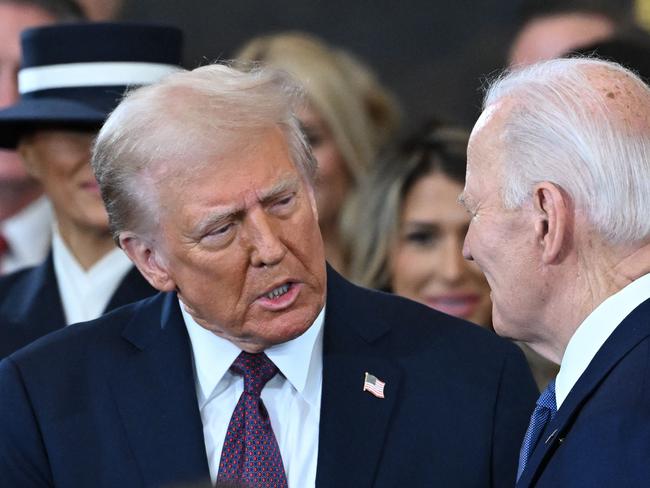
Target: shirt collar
{"x":594,"y":331}
{"x":300,"y":360}
{"x":27,"y":232}
{"x":113,"y":266}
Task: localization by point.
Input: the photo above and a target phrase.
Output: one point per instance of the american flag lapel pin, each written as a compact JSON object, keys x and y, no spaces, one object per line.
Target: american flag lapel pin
{"x":373,"y":385}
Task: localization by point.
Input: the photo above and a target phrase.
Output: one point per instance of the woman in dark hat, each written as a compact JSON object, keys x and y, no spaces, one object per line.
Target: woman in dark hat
{"x":72,"y":76}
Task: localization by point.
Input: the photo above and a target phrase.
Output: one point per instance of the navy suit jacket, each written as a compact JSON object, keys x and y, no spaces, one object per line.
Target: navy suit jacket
{"x":31,"y":306}
{"x":600,"y":436}
{"x":112,"y":402}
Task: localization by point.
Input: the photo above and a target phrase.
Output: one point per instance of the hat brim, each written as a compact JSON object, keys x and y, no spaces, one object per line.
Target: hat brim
{"x":29,"y":115}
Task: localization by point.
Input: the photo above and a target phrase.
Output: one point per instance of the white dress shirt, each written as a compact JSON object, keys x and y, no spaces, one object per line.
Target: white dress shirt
{"x":291,"y":398}
{"x":28,"y":234}
{"x":85,"y":294}
{"x":594,"y":331}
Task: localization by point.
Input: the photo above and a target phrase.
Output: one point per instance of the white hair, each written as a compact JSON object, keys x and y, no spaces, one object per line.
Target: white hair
{"x":563,"y":130}
{"x":170,"y":125}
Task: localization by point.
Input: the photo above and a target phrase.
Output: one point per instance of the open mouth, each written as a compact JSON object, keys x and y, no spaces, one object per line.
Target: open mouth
{"x":280,"y":297}
{"x":278,"y":292}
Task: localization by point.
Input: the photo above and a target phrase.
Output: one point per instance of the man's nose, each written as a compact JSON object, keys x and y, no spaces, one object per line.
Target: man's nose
{"x":467,"y":253}
{"x":453,"y":264}
{"x":267,"y":248}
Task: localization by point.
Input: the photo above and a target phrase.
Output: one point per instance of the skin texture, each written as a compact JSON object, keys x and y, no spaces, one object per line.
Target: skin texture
{"x":333,"y":180}
{"x":17,"y":189}
{"x":555,"y":35}
{"x":427,"y":264}
{"x":60,"y":161}
{"x":546,"y":265}
{"x":223,"y":247}
{"x":501,"y":241}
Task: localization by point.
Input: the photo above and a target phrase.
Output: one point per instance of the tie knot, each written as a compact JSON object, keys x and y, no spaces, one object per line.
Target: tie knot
{"x":547,"y":398}
{"x":257,"y":370}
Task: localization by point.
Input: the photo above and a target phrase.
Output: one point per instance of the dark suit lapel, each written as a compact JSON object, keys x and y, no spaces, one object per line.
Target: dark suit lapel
{"x":132,"y":288}
{"x":628,"y":334}
{"x":155,"y":395}
{"x":353,"y":422}
{"x":38,"y":306}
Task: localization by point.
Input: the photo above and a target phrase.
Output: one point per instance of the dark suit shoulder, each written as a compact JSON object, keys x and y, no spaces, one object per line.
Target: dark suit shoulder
{"x":406,"y":322}
{"x":12,"y":284}
{"x":97,"y":338}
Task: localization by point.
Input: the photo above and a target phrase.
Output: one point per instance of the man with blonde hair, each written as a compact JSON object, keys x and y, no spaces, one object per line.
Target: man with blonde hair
{"x":257,"y":364}
{"x":558,"y":185}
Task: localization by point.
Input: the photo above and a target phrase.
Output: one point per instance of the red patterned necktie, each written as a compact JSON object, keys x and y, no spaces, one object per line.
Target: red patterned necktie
{"x":250,"y":454}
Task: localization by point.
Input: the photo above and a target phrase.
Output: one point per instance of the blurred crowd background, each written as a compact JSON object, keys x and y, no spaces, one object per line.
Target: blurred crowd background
{"x":432,"y":54}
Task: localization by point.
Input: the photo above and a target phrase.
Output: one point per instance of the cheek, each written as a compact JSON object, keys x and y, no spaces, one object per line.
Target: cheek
{"x":56,"y":181}
{"x":410,"y":269}
{"x":476,"y":275}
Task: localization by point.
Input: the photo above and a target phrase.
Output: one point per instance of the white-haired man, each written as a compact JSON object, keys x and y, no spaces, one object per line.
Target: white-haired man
{"x":558,"y":184}
{"x":208,"y":184}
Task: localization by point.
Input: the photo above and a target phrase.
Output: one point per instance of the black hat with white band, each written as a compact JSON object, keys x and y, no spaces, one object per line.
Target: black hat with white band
{"x":74,"y":75}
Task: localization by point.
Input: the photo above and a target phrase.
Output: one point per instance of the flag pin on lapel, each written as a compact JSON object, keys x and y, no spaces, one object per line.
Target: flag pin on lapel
{"x":373,"y":385}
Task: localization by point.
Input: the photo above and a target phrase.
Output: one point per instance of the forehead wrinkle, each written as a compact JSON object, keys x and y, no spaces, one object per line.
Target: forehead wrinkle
{"x":225,"y":211}
{"x":286,"y":183}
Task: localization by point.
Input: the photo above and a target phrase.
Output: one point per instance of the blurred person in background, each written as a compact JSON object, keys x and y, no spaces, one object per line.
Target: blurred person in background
{"x":101,"y":10}
{"x":632,"y":53}
{"x":64,"y":100}
{"x":414,"y":230}
{"x":25,"y":215}
{"x":552,"y":29}
{"x":348,"y":119}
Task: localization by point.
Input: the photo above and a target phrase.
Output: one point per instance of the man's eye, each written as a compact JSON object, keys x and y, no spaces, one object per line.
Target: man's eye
{"x":313,"y":138}
{"x":284,"y":203}
{"x":222,"y":230}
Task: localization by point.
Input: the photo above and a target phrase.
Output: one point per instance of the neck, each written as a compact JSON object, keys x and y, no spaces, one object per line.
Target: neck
{"x":602,"y":273}
{"x":87,"y":245}
{"x":16,"y":196}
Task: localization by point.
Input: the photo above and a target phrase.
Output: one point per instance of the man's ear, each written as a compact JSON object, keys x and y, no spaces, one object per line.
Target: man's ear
{"x":147,"y":260}
{"x":553,"y":220}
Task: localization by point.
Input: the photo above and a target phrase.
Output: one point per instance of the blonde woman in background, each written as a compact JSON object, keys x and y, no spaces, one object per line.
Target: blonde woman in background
{"x":413,"y":231}
{"x":349,"y":117}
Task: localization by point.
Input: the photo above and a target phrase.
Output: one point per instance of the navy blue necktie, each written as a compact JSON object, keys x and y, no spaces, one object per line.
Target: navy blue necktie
{"x":542,"y":415}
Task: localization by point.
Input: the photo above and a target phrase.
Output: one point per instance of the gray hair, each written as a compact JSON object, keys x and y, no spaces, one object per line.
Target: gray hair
{"x":562,"y":129}
{"x":163,"y":126}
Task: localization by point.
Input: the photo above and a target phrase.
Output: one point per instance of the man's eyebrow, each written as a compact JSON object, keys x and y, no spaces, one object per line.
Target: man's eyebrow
{"x":467,"y":202}
{"x":216,"y":218}
{"x":283,"y":186}
{"x":222,"y":214}
{"x":462,"y":199}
